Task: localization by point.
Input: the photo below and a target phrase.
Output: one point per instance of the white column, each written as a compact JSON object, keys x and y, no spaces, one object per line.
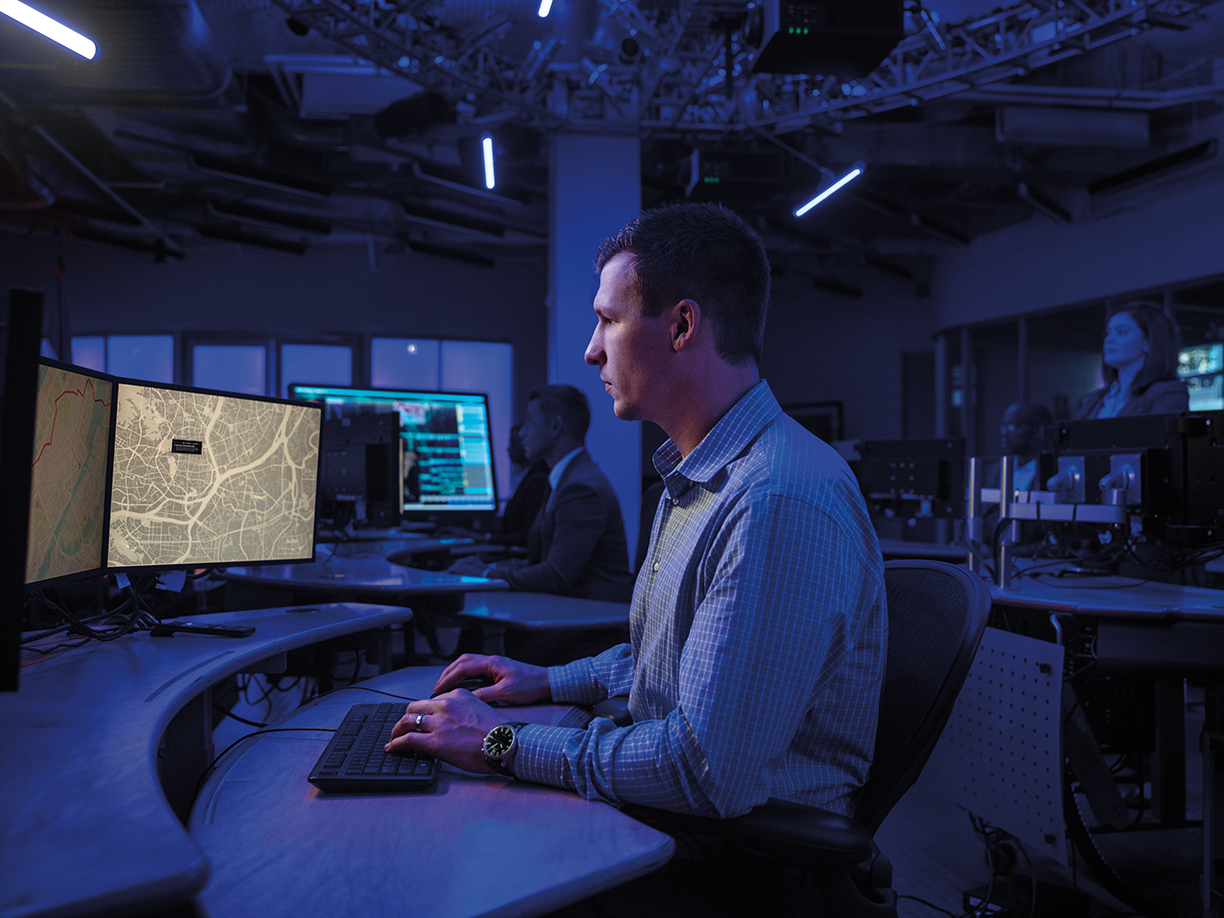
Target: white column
{"x":595,"y":189}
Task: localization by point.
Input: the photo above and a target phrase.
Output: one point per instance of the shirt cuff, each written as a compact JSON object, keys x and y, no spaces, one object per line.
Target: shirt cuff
{"x":576,"y":683}
{"x":541,"y":754}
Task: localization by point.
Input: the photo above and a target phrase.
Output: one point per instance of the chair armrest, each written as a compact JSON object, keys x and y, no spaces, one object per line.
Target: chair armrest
{"x":791,"y":831}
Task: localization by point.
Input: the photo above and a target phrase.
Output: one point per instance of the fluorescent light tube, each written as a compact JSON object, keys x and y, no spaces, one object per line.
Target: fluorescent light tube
{"x":486,"y":145}
{"x":545,"y":8}
{"x":844,"y":180}
{"x":45,"y":25}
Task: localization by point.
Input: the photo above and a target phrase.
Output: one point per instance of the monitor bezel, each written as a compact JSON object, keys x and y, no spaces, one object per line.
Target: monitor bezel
{"x":107,"y":568}
{"x":439,"y":513}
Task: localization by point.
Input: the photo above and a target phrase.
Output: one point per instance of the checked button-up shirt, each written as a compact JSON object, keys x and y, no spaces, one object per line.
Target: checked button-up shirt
{"x":757,"y":635}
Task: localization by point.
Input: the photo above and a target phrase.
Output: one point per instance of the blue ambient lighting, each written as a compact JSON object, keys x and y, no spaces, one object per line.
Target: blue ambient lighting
{"x":844,"y":180}
{"x":45,"y":25}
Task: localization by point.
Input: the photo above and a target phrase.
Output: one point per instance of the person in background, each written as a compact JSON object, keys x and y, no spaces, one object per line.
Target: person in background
{"x":576,"y":545}
{"x":1139,"y":360}
{"x":1020,"y":434}
{"x":530,"y":489}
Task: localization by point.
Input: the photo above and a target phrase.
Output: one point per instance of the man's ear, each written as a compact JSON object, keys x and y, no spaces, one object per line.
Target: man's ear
{"x":686,"y":320}
{"x":556,"y":426}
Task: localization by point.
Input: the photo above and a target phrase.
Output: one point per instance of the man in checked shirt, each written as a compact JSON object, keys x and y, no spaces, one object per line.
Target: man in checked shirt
{"x":758,"y":626}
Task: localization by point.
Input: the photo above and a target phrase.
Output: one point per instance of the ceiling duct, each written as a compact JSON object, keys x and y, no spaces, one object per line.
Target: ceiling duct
{"x":414,"y":115}
{"x":1071,"y":127}
{"x":1155,"y":169}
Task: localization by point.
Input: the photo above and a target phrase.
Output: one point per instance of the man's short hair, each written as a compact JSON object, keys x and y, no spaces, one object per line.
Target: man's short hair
{"x":568,"y":404}
{"x":704,"y":253}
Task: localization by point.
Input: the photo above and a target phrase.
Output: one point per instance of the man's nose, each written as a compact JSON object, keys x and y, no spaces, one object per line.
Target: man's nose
{"x":594,"y":353}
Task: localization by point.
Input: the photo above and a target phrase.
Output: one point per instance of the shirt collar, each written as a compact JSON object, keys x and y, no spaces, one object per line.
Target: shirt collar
{"x":726,"y":440}
{"x":555,"y":473}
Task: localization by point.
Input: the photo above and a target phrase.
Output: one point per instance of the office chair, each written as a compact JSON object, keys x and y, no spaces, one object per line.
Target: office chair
{"x":936,"y":616}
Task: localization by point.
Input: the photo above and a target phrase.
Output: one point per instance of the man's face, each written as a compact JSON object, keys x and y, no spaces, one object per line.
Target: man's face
{"x":1016,"y":434}
{"x":535,"y":432}
{"x":629,"y":349}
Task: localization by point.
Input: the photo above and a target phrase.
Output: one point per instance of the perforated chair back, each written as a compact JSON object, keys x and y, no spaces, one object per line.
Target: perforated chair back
{"x":936,"y":616}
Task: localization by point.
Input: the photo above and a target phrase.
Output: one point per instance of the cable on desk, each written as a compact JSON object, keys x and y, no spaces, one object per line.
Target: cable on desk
{"x":216,"y":759}
{"x":233,"y":716}
{"x":363,"y":688}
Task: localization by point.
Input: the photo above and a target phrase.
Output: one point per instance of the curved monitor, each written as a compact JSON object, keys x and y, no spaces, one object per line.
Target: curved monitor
{"x":446,"y":452}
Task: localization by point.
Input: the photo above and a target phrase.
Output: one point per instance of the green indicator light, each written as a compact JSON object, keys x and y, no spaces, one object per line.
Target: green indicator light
{"x":805,"y":31}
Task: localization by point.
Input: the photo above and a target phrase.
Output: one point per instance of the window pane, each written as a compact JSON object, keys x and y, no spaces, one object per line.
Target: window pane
{"x":148,"y":357}
{"x":90,"y":353}
{"x":404,"y":363}
{"x":485,"y":366}
{"x":230,"y":367}
{"x":321,"y":364}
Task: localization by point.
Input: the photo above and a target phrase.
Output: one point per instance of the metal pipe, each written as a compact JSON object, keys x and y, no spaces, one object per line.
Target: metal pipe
{"x":1005,"y":555}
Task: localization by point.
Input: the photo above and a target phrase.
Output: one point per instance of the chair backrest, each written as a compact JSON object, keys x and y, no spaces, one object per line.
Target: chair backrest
{"x":936,"y":616}
{"x":650,"y":503}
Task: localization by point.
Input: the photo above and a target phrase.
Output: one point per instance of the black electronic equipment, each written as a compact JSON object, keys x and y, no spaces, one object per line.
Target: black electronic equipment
{"x":1167,"y":470}
{"x":823,"y":36}
{"x":928,"y":474}
{"x":20,"y":337}
{"x":355,"y":761}
{"x":362,"y":467}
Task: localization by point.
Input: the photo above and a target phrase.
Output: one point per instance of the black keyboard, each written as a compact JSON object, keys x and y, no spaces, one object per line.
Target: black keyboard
{"x":355,"y":761}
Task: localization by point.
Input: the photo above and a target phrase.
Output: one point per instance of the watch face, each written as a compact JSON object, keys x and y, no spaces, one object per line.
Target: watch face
{"x":499,"y":740}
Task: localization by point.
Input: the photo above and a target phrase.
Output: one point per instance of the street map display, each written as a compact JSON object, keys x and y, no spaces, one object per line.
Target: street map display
{"x":68,"y":479}
{"x":205,"y":479}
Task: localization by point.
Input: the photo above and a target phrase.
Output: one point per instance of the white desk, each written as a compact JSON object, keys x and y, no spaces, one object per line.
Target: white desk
{"x":474,"y":845}
{"x":84,"y":824}
{"x":543,"y":612}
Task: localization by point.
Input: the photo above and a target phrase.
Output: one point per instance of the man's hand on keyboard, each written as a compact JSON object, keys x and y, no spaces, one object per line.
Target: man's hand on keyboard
{"x":451,"y":727}
{"x":510,"y":681}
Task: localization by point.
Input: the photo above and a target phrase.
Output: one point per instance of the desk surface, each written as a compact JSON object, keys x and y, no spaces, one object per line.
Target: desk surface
{"x":1114,"y":597}
{"x":474,"y":845}
{"x":83,"y":821}
{"x":544,"y":612}
{"x":370,"y":575}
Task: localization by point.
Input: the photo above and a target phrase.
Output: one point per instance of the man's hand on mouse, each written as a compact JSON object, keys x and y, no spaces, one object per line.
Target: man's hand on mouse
{"x":513,"y":682}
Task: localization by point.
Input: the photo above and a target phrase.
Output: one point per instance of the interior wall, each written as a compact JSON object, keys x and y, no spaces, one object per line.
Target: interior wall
{"x":1165,"y":239}
{"x":329,"y":290}
{"x":822,"y":346}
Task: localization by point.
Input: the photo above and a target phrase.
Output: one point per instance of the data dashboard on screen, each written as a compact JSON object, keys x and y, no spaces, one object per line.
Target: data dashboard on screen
{"x":205,"y":478}
{"x":1201,"y":368}
{"x":446,"y":453}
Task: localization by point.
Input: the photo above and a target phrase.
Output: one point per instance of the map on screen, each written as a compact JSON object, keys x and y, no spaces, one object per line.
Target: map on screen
{"x":201,"y":478}
{"x":68,"y":478}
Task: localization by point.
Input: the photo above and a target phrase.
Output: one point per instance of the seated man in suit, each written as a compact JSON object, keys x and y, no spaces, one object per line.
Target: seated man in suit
{"x":530,"y":489}
{"x":576,"y":545}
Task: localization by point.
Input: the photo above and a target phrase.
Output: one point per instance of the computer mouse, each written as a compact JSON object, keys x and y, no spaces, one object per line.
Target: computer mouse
{"x":471,"y":684}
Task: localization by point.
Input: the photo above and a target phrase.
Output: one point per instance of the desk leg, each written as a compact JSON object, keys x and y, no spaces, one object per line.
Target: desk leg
{"x":1169,"y":759}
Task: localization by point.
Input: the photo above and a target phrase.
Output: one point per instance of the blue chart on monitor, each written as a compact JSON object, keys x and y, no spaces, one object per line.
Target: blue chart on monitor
{"x":68,"y":481}
{"x":202,"y":479}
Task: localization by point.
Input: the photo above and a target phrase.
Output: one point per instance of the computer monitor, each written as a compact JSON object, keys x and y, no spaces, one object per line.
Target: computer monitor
{"x":20,"y":337}
{"x":1201,"y":368}
{"x":69,"y":472}
{"x":446,"y":448}
{"x":202,"y":478}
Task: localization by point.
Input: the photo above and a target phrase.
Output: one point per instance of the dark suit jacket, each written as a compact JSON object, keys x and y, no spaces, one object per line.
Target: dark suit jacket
{"x":522,"y":507}
{"x":577,"y":544}
{"x":1168,"y":396}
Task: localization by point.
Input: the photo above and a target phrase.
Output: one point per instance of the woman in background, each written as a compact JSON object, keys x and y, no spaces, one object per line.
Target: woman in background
{"x":1140,"y":366}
